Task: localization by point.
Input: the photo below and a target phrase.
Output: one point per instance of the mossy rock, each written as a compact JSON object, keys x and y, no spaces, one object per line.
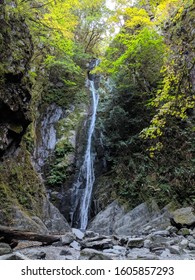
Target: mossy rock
{"x":184,"y":217}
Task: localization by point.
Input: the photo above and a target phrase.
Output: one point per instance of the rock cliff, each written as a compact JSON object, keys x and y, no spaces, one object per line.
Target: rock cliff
{"x":23,"y":198}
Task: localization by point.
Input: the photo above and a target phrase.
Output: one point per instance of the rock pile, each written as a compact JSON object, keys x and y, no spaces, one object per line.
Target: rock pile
{"x":176,"y":241}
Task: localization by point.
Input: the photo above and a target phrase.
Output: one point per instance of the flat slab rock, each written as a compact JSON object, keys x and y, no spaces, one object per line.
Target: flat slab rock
{"x":98,"y":245}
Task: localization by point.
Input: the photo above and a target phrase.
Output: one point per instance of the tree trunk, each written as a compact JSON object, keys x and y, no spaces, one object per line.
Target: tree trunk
{"x":8,"y":235}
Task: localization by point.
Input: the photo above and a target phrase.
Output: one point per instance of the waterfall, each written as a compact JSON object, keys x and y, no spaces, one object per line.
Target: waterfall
{"x":84,"y":184}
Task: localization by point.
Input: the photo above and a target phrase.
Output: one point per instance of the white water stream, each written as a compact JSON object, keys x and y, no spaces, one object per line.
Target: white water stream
{"x":86,"y":172}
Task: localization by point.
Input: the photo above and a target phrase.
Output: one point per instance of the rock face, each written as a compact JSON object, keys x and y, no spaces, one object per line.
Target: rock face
{"x":23,"y":199}
{"x":114,"y":220}
{"x":16,"y":50}
{"x":104,"y":222}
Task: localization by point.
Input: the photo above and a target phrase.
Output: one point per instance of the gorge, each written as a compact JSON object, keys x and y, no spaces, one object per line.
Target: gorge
{"x":103,"y":166}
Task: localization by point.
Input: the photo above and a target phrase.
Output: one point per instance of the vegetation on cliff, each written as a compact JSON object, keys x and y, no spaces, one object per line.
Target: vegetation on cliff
{"x":146,"y":120}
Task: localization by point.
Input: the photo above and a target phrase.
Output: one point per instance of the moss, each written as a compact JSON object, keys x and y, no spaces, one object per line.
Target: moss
{"x":62,"y":165}
{"x":20,"y":185}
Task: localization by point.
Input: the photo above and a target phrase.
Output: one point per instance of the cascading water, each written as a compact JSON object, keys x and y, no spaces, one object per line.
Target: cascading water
{"x":82,"y":189}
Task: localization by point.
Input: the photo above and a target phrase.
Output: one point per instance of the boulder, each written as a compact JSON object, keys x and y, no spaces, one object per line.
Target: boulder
{"x":91,"y":234}
{"x":67,"y":238}
{"x":175,"y":249}
{"x":54,"y":220}
{"x":39,"y":256}
{"x":91,"y":254}
{"x":104,"y":222}
{"x":135,"y":242}
{"x":75,"y":245}
{"x":191,"y":246}
{"x":65,"y":252}
{"x":141,"y":220}
{"x":98,"y":244}
{"x":78,"y":233}
{"x":5,"y":249}
{"x":184,"y":217}
{"x":14,"y":256}
{"x":22,"y":221}
{"x":184,"y":232}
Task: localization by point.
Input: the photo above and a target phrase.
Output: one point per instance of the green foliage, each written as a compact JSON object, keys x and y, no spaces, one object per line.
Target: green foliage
{"x":152,"y":97}
{"x":20,"y":186}
{"x":59,"y":170}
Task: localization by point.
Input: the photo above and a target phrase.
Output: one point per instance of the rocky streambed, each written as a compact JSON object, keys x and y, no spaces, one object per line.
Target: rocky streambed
{"x":164,"y":235}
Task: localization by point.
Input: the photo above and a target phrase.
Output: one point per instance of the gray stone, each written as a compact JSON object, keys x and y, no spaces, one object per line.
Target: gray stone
{"x":143,"y":219}
{"x":39,"y":256}
{"x":171,"y":229}
{"x":104,"y":222}
{"x":166,"y":254}
{"x":65,"y":252}
{"x":184,"y":216}
{"x":38,"y":221}
{"x":175,"y":249}
{"x":138,"y":253}
{"x":135,"y":242}
{"x":147,"y":243}
{"x":191,"y":246}
{"x":14,"y":256}
{"x":184,"y":243}
{"x":98,"y":245}
{"x":67,"y":238}
{"x":22,"y":221}
{"x":78,"y":233}
{"x":54,"y":220}
{"x":191,"y":239}
{"x":91,"y":234}
{"x":91,"y":254}
{"x":75,"y":245}
{"x":5,"y":249}
{"x":157,"y":249}
{"x":119,"y":248}
{"x":161,"y":233}
{"x":184,"y":232}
